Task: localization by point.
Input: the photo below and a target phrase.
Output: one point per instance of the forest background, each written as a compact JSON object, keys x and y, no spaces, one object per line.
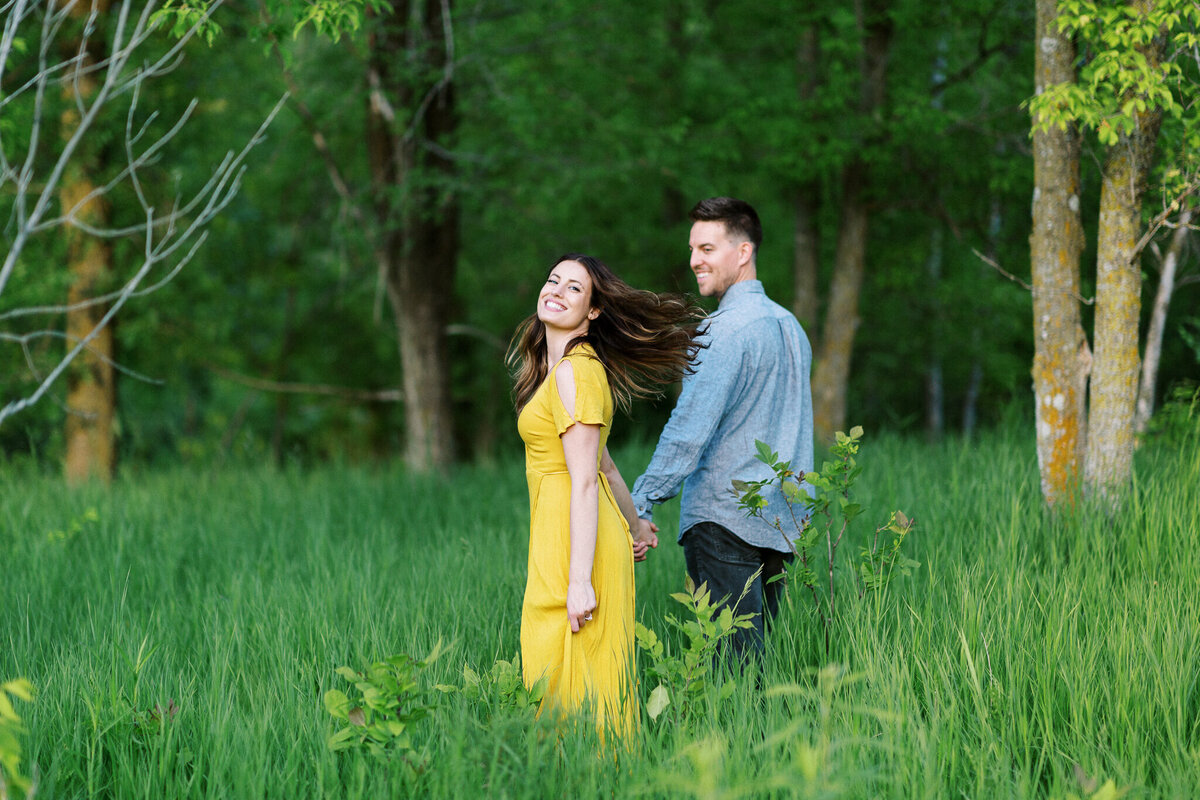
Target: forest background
{"x":354,"y":298}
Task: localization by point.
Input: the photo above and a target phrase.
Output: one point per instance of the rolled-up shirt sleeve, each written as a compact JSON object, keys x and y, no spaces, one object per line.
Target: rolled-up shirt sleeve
{"x":692,"y":425}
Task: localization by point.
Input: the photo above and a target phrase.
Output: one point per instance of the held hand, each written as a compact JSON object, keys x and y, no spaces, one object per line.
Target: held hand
{"x":639,"y":550}
{"x":581,"y":602}
{"x":644,"y":538}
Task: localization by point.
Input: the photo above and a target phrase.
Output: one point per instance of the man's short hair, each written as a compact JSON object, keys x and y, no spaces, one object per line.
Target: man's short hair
{"x":739,"y":217}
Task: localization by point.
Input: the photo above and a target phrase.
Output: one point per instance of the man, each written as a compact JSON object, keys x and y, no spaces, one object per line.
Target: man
{"x":751,"y":382}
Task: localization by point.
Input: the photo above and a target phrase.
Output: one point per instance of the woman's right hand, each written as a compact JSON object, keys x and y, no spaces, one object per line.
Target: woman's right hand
{"x":581,"y":602}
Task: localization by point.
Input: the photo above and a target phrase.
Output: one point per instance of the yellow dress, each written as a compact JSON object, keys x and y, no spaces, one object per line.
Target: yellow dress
{"x":595,"y":665}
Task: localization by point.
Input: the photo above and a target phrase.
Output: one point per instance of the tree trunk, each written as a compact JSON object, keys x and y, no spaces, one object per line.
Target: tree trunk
{"x":411,"y":121}
{"x":806,"y":257}
{"x":91,"y":390}
{"x":832,"y":373}
{"x":979,"y":321}
{"x":1108,"y":467}
{"x":935,"y":388}
{"x":1158,"y":323}
{"x":1059,"y":374}
{"x":283,"y":399}
{"x":806,"y":260}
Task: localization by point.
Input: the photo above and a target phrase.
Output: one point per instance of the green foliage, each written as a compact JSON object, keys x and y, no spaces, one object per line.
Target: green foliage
{"x":11,"y":731}
{"x":1119,"y":82}
{"x":685,"y":676}
{"x":74,"y":527}
{"x":334,"y":18}
{"x":821,"y":521}
{"x":1178,"y":417}
{"x":501,"y":689}
{"x":329,"y":18}
{"x":183,"y":17}
{"x":389,"y":700}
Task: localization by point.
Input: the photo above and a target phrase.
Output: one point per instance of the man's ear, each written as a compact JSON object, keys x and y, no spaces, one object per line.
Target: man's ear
{"x":745,"y":253}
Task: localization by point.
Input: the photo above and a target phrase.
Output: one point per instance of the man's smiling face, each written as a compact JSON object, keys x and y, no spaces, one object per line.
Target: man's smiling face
{"x":717,"y":260}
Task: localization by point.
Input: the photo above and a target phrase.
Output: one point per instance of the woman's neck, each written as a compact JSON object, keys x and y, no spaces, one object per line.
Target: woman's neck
{"x":556,"y":344}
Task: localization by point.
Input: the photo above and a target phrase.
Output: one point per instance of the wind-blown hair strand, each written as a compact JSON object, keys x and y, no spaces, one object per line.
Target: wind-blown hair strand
{"x":645,"y":340}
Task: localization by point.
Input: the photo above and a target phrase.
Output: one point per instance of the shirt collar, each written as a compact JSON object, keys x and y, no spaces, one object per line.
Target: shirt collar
{"x":738,"y":290}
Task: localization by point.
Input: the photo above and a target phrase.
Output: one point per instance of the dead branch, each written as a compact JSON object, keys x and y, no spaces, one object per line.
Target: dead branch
{"x":991,"y":262}
{"x":265,"y":385}
{"x":171,"y":235}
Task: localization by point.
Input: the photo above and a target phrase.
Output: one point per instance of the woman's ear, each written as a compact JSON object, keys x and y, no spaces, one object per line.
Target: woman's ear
{"x":595,"y":312}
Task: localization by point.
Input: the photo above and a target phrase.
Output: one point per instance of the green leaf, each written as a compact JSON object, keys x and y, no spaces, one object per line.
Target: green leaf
{"x":6,"y":709}
{"x":341,"y":739}
{"x":21,"y":689}
{"x":658,"y":702}
{"x":336,"y":703}
{"x":765,"y":454}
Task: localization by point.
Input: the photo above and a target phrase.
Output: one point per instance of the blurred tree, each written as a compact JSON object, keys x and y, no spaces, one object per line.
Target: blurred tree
{"x":106,"y":144}
{"x":1167,"y":281}
{"x":411,"y":127}
{"x":91,"y":393}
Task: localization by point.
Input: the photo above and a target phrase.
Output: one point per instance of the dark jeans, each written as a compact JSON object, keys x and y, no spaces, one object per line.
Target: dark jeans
{"x":719,"y":558}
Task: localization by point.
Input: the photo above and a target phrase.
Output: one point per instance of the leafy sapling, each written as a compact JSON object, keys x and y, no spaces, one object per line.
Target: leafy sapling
{"x":820,"y":520}
{"x":388,"y":702}
{"x":501,"y":688}
{"x":684,"y":677}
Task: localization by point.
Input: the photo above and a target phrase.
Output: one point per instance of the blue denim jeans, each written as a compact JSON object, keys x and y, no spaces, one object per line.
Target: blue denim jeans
{"x":719,"y":558}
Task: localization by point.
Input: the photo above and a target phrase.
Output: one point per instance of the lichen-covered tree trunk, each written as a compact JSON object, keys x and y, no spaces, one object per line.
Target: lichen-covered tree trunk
{"x":1108,"y":467}
{"x":91,"y":392}
{"x":1158,"y":323}
{"x":411,"y":121}
{"x":1059,"y":372}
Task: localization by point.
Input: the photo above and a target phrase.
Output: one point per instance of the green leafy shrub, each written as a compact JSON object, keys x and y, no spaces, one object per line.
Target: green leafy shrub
{"x":684,"y":676}
{"x":821,"y":523}
{"x":502,"y":688}
{"x":388,"y":701}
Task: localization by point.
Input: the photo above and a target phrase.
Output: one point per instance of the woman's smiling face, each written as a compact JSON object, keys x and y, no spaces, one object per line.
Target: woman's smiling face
{"x":565,"y":301}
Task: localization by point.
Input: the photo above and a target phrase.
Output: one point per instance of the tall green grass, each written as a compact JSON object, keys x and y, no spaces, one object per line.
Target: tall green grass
{"x":182,"y":628}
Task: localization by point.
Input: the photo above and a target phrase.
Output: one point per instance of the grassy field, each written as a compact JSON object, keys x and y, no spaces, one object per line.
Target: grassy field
{"x":182,"y":629}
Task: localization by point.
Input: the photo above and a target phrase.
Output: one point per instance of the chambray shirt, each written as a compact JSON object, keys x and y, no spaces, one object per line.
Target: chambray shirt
{"x":751,"y":382}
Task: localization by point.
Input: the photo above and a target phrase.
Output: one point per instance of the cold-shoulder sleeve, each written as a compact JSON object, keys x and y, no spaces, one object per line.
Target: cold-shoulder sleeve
{"x":593,"y":399}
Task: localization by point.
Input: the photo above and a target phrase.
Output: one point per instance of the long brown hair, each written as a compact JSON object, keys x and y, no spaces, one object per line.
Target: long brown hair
{"x":645,"y":341}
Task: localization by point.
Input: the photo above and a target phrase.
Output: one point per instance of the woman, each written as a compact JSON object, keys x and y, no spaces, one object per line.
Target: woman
{"x":592,"y":338}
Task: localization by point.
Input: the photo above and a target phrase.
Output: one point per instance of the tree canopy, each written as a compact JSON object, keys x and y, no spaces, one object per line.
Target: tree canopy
{"x":570,"y":126}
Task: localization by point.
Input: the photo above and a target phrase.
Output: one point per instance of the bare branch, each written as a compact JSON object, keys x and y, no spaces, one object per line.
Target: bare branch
{"x":991,"y":262}
{"x":25,"y":338}
{"x":378,"y":395}
{"x":1163,"y":218}
{"x":171,"y":237}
